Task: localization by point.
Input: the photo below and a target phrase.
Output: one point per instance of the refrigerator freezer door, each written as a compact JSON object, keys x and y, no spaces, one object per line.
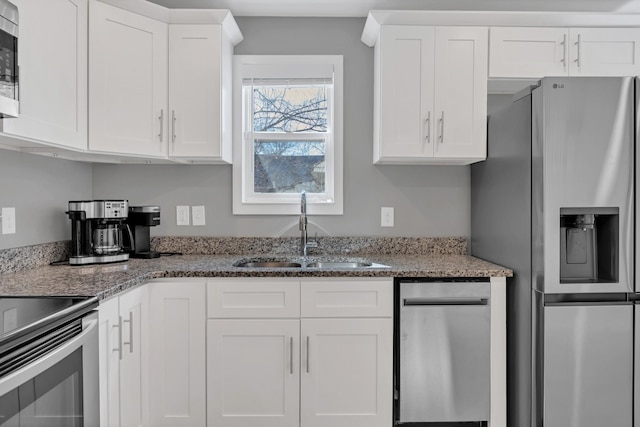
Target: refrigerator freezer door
{"x":588,"y":360}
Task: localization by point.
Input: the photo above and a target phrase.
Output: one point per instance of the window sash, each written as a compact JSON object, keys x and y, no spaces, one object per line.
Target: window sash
{"x":251,"y":68}
{"x":249,"y":195}
{"x":249,"y":112}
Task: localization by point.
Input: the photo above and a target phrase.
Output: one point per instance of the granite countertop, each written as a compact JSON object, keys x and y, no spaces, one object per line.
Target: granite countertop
{"x":108,"y":279}
{"x":25,"y":271}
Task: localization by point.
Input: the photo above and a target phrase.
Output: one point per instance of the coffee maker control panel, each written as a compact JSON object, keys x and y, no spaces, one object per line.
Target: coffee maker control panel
{"x":101,"y":209}
{"x":116,"y":209}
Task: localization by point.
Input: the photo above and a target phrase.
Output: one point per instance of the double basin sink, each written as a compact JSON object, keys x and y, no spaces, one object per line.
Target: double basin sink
{"x":329,"y":264}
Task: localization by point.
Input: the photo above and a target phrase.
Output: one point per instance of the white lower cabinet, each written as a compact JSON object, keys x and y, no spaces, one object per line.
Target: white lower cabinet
{"x":238,"y":352}
{"x":253,"y":372}
{"x":177,"y":386}
{"x":123,"y":356}
{"x":346,"y":378}
{"x":285,"y":369}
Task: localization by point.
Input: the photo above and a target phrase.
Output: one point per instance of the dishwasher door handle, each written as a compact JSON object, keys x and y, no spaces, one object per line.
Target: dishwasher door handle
{"x":444,"y":301}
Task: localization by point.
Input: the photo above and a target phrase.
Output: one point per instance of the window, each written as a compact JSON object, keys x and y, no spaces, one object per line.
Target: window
{"x":287,"y":134}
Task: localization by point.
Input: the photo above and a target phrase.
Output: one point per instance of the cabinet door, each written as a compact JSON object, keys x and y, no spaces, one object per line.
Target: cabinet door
{"x":528,"y":52}
{"x":177,"y":342}
{"x":53,"y":73}
{"x":253,"y":373}
{"x":460,"y":122}
{"x":406,"y":93}
{"x":128,"y":83}
{"x":133,"y":378}
{"x":109,"y":362}
{"x":604,"y":52}
{"x":346,"y":378}
{"x":194,"y":90}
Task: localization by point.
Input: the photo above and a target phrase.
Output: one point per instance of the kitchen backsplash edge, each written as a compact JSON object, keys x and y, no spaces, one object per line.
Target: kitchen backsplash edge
{"x":16,"y":259}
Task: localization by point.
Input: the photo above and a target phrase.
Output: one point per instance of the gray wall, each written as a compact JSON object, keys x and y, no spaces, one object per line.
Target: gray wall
{"x":428,"y":200}
{"x":39,"y":188}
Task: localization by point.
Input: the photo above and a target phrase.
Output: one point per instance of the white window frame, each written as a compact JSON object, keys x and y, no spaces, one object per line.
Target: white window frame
{"x":245,"y":201}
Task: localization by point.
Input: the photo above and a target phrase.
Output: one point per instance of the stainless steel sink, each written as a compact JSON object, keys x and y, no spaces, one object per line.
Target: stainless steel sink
{"x":269,"y":264}
{"x":338,"y":264}
{"x":315,"y":264}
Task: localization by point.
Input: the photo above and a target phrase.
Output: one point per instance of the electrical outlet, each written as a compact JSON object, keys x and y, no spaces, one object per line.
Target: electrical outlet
{"x":386,"y":217}
{"x":8,"y":220}
{"x":197,"y":213}
{"x":182,"y":215}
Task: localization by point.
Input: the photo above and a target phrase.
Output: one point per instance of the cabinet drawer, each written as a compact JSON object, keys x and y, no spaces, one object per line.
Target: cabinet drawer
{"x":347,"y":298}
{"x":253,"y":298}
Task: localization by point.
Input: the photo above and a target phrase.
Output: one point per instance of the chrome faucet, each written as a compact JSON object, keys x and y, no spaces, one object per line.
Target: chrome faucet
{"x":305,"y":244}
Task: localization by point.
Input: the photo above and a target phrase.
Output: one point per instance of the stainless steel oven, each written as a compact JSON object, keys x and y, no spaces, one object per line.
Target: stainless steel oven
{"x":49,"y":362}
{"x":9,"y":96}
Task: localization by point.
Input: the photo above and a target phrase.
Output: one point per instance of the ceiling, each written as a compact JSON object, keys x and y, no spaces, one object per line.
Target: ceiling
{"x":360,"y":8}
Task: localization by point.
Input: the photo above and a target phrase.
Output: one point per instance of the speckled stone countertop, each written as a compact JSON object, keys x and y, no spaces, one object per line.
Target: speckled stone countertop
{"x":108,"y":279}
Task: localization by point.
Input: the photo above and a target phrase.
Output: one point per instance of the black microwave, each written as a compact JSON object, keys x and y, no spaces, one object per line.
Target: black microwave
{"x":9,"y":94}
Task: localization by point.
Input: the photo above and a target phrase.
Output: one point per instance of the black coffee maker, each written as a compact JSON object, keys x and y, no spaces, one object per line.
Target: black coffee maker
{"x":140,"y":219}
{"x":99,"y":233}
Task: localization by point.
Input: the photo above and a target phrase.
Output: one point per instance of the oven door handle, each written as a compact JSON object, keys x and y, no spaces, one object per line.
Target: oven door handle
{"x":24,"y":374}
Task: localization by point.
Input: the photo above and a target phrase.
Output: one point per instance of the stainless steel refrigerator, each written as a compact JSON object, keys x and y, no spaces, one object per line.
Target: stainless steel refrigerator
{"x":555,"y":201}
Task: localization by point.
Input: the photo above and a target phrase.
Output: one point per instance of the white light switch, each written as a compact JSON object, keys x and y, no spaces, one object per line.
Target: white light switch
{"x":182,"y":215}
{"x":197,"y":212}
{"x":386,"y":217}
{"x":8,"y":220}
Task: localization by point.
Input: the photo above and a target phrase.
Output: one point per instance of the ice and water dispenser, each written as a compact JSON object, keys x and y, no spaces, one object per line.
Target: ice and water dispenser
{"x":589,"y":245}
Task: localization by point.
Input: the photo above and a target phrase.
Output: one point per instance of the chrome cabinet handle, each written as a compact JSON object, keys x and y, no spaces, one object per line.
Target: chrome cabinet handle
{"x":130,"y":322}
{"x":427,"y":123}
{"x":173,"y":126}
{"x":291,"y":355}
{"x":307,"y":354}
{"x":577,"y":60}
{"x":441,"y":137}
{"x":564,"y":51}
{"x":119,"y":349}
{"x":161,"y":118}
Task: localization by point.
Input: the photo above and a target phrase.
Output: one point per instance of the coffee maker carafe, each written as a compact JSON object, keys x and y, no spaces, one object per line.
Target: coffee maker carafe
{"x":99,"y":232}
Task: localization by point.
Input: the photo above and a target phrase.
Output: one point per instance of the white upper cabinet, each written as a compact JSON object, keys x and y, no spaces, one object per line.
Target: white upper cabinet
{"x":52,"y":56}
{"x":160,"y":84}
{"x":533,"y":52}
{"x":128,"y":85}
{"x":430,"y":94}
{"x":199,"y":89}
{"x":460,"y":125}
{"x":604,"y":51}
{"x":406,"y":93}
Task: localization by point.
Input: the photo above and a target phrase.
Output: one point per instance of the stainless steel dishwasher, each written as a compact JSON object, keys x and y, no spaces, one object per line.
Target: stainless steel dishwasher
{"x":442,"y":351}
